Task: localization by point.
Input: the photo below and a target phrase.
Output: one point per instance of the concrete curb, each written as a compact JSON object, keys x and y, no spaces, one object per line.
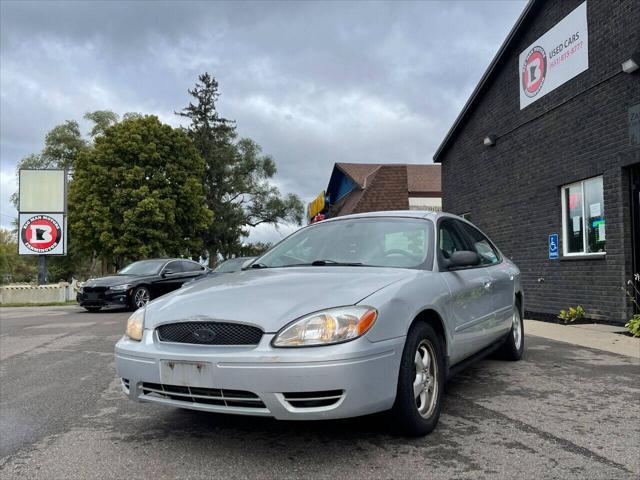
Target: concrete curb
{"x":584,"y":336}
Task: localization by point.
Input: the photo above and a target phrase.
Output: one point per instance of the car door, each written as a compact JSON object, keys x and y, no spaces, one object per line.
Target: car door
{"x":190,"y":271}
{"x":502,"y":279}
{"x":170,"y":278}
{"x":471,"y":305}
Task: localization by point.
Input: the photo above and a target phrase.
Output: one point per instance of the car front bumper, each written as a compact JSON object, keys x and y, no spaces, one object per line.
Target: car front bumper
{"x":346,"y":380}
{"x":104,"y":298}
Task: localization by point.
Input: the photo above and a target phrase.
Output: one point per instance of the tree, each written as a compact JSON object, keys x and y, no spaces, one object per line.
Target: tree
{"x":62,"y":145}
{"x":14,"y":267}
{"x":102,"y":119}
{"x":253,"y":249}
{"x":236,"y":177}
{"x":138,"y":193}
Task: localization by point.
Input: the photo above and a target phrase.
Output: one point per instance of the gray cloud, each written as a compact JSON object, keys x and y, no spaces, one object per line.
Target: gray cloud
{"x":312,"y":82}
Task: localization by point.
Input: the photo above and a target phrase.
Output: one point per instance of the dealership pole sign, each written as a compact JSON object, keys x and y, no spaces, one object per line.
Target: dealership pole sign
{"x":42,"y":216}
{"x":554,"y":58}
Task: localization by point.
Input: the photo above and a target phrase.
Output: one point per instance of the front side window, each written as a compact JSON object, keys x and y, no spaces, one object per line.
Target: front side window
{"x":378,"y":242}
{"x":583,"y":220}
{"x":173,"y":267}
{"x":450,"y":240}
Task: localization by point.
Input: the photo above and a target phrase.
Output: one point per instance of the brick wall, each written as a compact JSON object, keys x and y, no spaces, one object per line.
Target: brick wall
{"x":577,"y":131}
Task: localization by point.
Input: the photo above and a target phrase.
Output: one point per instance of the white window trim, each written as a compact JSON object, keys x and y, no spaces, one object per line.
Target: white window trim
{"x":585,"y":236}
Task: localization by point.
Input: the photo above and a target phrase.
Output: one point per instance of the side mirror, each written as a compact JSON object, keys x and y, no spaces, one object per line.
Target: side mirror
{"x":463,"y":258}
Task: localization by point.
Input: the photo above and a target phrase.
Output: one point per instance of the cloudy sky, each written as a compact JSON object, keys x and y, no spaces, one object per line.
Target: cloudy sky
{"x":313,"y":82}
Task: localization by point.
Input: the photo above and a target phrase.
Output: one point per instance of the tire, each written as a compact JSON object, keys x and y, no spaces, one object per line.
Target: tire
{"x":141,"y":296}
{"x":513,"y":346}
{"x":417,"y":414}
{"x":92,"y":309}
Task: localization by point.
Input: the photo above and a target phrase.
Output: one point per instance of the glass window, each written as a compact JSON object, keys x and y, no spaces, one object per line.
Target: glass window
{"x":379,"y":242}
{"x":450,"y":240}
{"x":173,"y":267}
{"x":481,"y":245}
{"x":187,"y":266}
{"x":583,"y":217}
{"x":143,"y":267}
{"x":231,"y":265}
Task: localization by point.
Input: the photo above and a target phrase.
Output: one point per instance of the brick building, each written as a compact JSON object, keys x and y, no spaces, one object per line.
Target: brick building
{"x":370,"y":187}
{"x":549,"y":144}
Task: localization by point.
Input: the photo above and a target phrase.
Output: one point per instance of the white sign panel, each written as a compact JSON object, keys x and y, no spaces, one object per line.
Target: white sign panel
{"x":42,"y":234}
{"x":554,"y":58}
{"x":42,"y":190}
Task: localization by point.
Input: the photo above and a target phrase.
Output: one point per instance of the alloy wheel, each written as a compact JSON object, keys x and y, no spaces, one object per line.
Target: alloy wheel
{"x":425,"y":383}
{"x":516,"y":329}
{"x":142,"y":297}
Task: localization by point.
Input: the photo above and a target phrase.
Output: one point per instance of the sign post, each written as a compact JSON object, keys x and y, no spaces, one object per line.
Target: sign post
{"x":42,"y":216}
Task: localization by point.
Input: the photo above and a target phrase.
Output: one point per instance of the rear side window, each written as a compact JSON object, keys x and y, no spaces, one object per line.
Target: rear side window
{"x":190,"y":267}
{"x":481,"y":245}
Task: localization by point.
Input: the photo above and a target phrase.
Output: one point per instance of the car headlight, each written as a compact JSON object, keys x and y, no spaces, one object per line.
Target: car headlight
{"x":120,"y":288}
{"x":135,"y":325}
{"x":335,"y":325}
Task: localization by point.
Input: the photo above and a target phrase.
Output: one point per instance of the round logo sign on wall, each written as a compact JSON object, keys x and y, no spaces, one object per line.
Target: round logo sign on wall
{"x":41,"y":233}
{"x":534,"y":71}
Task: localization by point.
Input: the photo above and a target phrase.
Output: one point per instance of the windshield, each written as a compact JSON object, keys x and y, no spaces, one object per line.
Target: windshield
{"x":144,"y":267}
{"x":378,"y":242}
{"x":231,"y":265}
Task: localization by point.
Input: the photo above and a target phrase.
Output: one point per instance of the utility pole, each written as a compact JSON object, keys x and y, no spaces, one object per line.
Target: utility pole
{"x":42,"y":269}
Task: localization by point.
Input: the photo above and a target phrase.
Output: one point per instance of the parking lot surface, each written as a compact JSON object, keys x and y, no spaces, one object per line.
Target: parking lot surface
{"x":562,"y":412}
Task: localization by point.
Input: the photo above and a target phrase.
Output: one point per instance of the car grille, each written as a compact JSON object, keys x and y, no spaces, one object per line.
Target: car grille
{"x":210,"y":333}
{"x":325,"y":398}
{"x":94,"y":289}
{"x":206,"y":396}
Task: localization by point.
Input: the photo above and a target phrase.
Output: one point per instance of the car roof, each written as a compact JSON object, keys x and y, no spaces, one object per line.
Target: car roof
{"x":164,"y":260}
{"x":395,"y":214}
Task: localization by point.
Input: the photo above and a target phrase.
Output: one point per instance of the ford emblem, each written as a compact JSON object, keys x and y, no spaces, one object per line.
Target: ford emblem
{"x":204,"y":335}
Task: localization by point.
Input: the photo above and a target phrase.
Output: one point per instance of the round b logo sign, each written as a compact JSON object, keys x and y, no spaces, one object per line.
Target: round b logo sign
{"x":41,"y":233}
{"x":534,"y":71}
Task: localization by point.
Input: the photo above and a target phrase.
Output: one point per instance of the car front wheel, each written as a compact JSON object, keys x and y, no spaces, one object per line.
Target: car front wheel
{"x":141,"y":296}
{"x":421,"y":382}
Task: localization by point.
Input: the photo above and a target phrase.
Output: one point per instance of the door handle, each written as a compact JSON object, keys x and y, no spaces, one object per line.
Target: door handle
{"x":488,"y":284}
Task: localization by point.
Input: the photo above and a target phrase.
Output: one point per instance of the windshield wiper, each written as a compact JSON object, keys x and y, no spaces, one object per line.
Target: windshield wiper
{"x":258,"y":265}
{"x":322,"y":263}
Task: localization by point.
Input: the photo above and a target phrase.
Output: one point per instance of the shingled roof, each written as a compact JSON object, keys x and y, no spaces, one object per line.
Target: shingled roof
{"x":420,"y":178}
{"x":385,"y":186}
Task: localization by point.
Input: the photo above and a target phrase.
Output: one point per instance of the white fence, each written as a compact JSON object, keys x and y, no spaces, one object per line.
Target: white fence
{"x":25,"y":294}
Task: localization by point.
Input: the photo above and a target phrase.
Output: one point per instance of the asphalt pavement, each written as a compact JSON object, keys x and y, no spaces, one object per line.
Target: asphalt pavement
{"x":564,"y":411}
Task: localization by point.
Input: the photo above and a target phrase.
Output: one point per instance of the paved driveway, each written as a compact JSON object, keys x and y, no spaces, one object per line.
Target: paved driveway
{"x":562,"y":412}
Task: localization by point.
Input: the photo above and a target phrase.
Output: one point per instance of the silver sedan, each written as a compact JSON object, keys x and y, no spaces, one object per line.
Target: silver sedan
{"x":346,"y":317}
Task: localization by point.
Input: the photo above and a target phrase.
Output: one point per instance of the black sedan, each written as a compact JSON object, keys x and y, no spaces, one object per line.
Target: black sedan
{"x":139,"y":282}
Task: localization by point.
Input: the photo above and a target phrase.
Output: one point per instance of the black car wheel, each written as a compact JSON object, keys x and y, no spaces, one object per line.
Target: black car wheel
{"x":421,"y":382}
{"x":92,"y":309}
{"x":140,"y":297}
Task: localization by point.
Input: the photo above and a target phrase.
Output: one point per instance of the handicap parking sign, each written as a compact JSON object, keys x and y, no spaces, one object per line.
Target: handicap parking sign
{"x":553,"y":246}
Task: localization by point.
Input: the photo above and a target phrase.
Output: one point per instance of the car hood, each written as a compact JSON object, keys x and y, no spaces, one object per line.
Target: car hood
{"x":271,"y":298}
{"x":112,"y":280}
